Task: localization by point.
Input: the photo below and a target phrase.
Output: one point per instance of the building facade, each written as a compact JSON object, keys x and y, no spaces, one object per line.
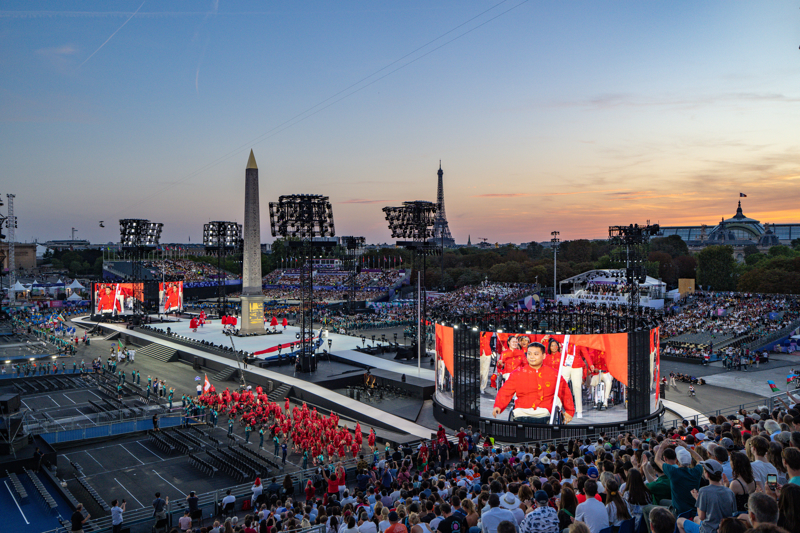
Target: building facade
{"x":739,"y":231}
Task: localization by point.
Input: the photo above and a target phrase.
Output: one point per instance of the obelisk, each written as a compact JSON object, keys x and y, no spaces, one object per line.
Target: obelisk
{"x":252,"y":297}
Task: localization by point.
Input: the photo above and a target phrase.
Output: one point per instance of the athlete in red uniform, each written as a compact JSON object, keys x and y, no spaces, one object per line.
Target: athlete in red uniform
{"x":534,"y":385}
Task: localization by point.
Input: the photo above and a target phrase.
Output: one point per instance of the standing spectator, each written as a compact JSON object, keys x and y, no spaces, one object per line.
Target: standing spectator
{"x":543,"y":518}
{"x":496,"y":514}
{"x":78,"y":519}
{"x":714,"y":502}
{"x":160,"y":507}
{"x":185,"y":522}
{"x":116,"y":515}
{"x":395,"y":526}
{"x":451,"y":522}
{"x":592,"y":512}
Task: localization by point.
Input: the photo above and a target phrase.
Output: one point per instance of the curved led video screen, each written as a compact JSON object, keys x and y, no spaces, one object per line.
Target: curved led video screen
{"x":518,"y":375}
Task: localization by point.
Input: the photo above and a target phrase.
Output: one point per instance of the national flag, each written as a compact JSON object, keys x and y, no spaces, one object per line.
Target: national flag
{"x":206,"y":384}
{"x":119,"y":343}
{"x":742,"y":195}
{"x":773,"y":386}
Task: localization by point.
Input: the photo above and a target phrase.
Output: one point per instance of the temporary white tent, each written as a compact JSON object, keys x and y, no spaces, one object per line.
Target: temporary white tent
{"x":75,"y":285}
{"x":74,"y":297}
{"x":19,"y":287}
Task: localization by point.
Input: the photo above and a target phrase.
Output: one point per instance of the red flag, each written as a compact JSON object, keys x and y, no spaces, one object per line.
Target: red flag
{"x":207,"y":384}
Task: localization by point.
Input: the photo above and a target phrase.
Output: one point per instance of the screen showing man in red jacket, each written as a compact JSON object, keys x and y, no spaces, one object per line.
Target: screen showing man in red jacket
{"x":535,"y":387}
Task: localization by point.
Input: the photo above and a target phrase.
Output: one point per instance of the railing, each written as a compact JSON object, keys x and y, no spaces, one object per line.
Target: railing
{"x":771,"y":402}
{"x":56,"y":431}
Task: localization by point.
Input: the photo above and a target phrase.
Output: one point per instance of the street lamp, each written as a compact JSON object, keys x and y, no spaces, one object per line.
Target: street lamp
{"x":554,"y":242}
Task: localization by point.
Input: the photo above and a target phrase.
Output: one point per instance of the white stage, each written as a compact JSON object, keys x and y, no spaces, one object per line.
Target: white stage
{"x":343,"y":346}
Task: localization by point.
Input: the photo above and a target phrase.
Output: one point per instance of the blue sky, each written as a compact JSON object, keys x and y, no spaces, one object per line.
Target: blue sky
{"x":568,"y":116}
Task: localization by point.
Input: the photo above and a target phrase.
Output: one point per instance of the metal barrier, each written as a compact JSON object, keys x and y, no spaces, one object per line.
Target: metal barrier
{"x":108,"y":429}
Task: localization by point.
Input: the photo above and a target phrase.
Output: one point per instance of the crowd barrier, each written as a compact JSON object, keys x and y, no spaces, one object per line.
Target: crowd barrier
{"x":108,"y":429}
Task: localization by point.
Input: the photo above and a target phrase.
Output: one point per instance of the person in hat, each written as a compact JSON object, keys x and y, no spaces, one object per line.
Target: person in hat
{"x":543,"y":518}
{"x":535,"y":387}
{"x":714,"y":502}
{"x":491,"y":518}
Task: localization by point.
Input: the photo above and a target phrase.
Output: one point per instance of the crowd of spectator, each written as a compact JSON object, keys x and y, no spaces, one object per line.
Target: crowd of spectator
{"x":344,"y":323}
{"x":473,"y":299}
{"x":736,"y":474}
{"x":732,"y":314}
{"x":190,"y":270}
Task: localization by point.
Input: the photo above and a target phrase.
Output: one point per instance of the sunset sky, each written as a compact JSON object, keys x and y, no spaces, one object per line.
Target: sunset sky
{"x":568,"y":116}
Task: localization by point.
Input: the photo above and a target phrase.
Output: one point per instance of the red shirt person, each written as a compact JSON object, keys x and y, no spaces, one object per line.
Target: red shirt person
{"x":535,"y":387}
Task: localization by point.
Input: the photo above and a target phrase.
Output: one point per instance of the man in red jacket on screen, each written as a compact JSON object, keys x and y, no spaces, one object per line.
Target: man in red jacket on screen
{"x":535,"y":387}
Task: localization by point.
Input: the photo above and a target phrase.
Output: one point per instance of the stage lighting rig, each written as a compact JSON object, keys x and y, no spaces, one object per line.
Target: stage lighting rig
{"x":222,"y":238}
{"x":351,"y":246}
{"x":633,"y":237}
{"x":137,"y":237}
{"x":415,"y":221}
{"x":303,"y":217}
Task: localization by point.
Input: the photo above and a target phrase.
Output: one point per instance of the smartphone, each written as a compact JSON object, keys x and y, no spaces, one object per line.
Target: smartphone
{"x":772,"y":481}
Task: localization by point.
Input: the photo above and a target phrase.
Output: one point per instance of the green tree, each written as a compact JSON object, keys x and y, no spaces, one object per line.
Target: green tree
{"x":578,"y":251}
{"x":750,"y":249}
{"x":753,"y":259}
{"x":716,"y":267}
{"x":672,"y":245}
{"x":781,"y":250}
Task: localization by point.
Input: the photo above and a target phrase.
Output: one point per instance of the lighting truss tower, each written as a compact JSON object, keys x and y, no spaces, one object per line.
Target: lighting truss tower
{"x":137,"y":237}
{"x":554,"y":243}
{"x":634,"y":238}
{"x":441,"y":229}
{"x":351,"y":246}
{"x":415,"y":221}
{"x":11,"y":224}
{"x":222,"y":238}
{"x":303,"y":217}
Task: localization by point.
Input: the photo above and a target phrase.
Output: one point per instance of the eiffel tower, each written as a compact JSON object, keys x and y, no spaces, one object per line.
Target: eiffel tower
{"x":441,"y":230}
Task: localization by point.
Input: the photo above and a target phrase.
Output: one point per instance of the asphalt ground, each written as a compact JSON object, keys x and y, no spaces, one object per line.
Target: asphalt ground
{"x":133,"y":469}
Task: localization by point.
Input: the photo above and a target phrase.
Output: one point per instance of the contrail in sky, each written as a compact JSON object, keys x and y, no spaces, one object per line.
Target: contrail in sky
{"x":112,"y":35}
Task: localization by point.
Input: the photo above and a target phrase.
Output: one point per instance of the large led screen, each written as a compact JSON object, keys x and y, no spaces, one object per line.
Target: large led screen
{"x":114,"y":299}
{"x":593,"y":371}
{"x":170,"y":297}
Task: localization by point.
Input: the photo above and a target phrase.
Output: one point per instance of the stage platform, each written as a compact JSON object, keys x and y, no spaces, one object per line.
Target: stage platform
{"x":343,"y":347}
{"x":304,"y":390}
